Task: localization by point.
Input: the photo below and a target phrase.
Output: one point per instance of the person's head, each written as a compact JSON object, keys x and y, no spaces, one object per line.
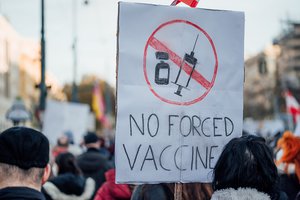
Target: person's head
{"x":246,"y":162}
{"x":24,"y":157}
{"x":66,"y":163}
{"x":91,"y":140}
{"x":63,"y":141}
{"x":70,"y":136}
{"x":102,"y":141}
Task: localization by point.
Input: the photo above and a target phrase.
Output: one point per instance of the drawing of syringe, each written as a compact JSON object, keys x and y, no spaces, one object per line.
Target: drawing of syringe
{"x":191,"y":60}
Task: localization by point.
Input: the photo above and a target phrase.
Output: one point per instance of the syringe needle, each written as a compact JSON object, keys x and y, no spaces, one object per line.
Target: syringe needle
{"x":195,"y":43}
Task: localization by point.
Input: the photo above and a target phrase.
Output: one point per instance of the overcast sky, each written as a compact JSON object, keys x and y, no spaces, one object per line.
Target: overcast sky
{"x":97,"y":27}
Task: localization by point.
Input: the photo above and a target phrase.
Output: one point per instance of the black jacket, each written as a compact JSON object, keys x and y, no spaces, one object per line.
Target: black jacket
{"x":69,"y":187}
{"x":289,"y":184}
{"x":93,"y":165}
{"x":20,"y":193}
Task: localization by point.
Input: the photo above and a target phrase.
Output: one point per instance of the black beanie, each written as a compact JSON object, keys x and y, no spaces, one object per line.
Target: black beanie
{"x":24,"y":147}
{"x":90,"y":138}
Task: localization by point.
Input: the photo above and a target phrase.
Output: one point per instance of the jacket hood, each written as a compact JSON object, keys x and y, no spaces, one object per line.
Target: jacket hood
{"x":239,"y":194}
{"x":57,"y":194}
{"x":69,"y":183}
{"x":110,"y":175}
{"x":121,"y":191}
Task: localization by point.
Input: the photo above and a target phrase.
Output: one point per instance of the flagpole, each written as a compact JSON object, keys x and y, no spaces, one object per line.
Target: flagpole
{"x":177,"y":186}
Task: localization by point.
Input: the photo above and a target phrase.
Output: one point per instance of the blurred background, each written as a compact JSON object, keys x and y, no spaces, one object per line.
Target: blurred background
{"x":61,"y":54}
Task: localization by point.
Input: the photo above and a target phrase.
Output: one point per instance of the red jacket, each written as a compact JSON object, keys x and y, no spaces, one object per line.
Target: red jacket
{"x":111,"y":191}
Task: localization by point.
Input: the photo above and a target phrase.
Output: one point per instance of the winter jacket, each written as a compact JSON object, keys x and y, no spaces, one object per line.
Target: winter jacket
{"x":69,"y":187}
{"x":58,"y":150}
{"x":289,"y":184}
{"x":20,"y":193}
{"x":239,"y":194}
{"x":93,"y":165}
{"x":298,"y":196}
{"x":111,"y":191}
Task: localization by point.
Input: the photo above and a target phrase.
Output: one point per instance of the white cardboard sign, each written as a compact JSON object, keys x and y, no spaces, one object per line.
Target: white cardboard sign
{"x":65,"y":116}
{"x":179,"y":91}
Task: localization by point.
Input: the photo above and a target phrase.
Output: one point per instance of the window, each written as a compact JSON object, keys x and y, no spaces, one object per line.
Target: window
{"x":262,"y":66}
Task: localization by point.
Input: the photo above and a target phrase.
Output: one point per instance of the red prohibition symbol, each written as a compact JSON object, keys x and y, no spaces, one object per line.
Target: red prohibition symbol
{"x":185,"y":65}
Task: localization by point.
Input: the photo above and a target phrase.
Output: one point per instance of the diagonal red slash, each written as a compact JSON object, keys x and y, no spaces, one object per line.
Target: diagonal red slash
{"x":158,"y":45}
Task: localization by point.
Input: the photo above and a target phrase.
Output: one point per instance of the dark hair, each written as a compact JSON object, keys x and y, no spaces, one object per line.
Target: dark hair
{"x":163,"y":191}
{"x":246,"y":162}
{"x":195,"y":191}
{"x":66,"y":163}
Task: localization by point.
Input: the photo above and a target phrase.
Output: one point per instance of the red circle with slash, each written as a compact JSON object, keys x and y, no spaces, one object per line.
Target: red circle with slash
{"x":155,"y":43}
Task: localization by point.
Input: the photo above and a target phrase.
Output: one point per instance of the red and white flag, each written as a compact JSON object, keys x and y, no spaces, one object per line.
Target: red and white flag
{"x":292,"y":106}
{"x":191,"y":3}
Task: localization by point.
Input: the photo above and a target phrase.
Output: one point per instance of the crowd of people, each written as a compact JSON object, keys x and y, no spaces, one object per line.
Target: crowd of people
{"x":246,"y":169}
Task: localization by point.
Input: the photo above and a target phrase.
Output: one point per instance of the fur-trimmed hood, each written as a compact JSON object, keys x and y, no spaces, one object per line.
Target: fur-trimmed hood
{"x":239,"y":194}
{"x":56,"y":194}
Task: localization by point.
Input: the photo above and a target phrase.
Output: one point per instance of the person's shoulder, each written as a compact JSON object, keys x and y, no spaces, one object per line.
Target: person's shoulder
{"x":92,"y":155}
{"x":240,"y":193}
{"x":17,"y":192}
{"x":66,"y":188}
{"x":92,"y":161}
{"x":283,"y":196}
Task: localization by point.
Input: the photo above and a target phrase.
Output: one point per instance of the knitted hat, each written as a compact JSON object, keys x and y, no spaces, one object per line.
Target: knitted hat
{"x":90,"y":138}
{"x":24,"y":147}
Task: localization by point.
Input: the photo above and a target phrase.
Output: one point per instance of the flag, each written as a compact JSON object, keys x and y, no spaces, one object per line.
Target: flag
{"x":98,"y":105}
{"x":292,"y":106}
{"x":191,"y":3}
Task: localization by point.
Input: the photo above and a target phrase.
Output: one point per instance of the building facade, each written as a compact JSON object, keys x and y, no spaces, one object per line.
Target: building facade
{"x":20,"y":72}
{"x":289,"y":59}
{"x":260,"y":82}
{"x":9,"y":70}
{"x":272,"y":72}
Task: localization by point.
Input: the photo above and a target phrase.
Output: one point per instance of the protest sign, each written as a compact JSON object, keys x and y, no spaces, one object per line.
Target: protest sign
{"x":61,"y":117}
{"x":179,"y":91}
